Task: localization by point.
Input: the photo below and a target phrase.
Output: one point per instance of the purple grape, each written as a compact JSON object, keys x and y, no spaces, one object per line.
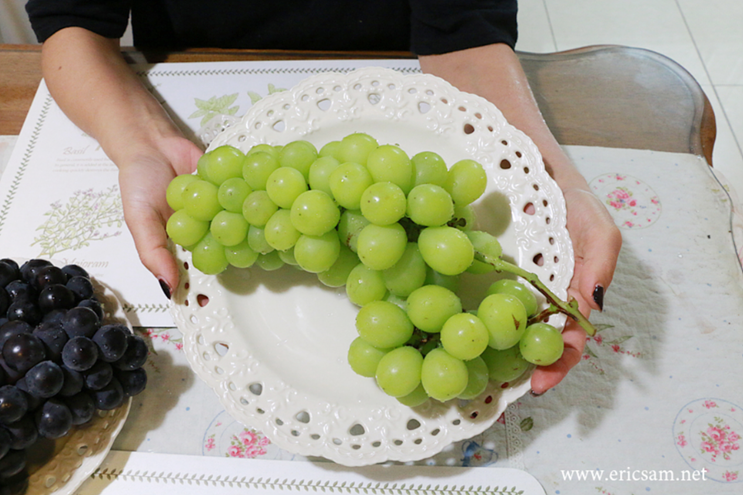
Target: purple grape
{"x":33,"y":402}
{"x":82,"y":408}
{"x":23,"y":351}
{"x":5,"y":441}
{"x":54,"y":316}
{"x":23,"y":433}
{"x":11,"y":328}
{"x":13,"y":404}
{"x":112,"y":341}
{"x":53,"y":337}
{"x":13,"y":463}
{"x":132,"y":382}
{"x":73,"y":270}
{"x":135,"y":355}
{"x":53,"y":419}
{"x":56,"y":296}
{"x":44,"y":380}
{"x":80,"y":321}
{"x":8,"y":272}
{"x":79,"y":353}
{"x":81,"y":287}
{"x":73,"y":382}
{"x":19,"y":290}
{"x":49,"y":275}
{"x":109,"y":397}
{"x":11,"y":375}
{"x":98,"y":376}
{"x":93,"y":304}
{"x":23,"y":310}
{"x":5,"y":301}
{"x":31,"y":268}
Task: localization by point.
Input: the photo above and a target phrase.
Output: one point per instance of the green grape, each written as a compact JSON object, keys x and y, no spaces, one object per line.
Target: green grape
{"x":320,"y":171}
{"x":389,"y":163}
{"x":257,"y":167}
{"x":200,"y":200}
{"x":464,"y":218}
{"x":356,"y":148}
{"x":330,"y":149}
{"x":381,"y":246}
{"x":348,"y":182}
{"x":399,"y":371}
{"x":508,"y":286}
{"x":240,"y":255}
{"x":541,"y":344}
{"x":317,"y":254}
{"x":314,"y":213}
{"x":477,"y":378}
{"x":223,"y":162}
{"x":505,"y":317}
{"x":464,"y":336}
{"x":383,"y":324}
{"x":365,"y":285}
{"x":337,"y":275}
{"x":269,"y":261}
{"x":431,"y":305}
{"x":383,"y":203}
{"x":466,"y":181}
{"x":185,"y":230}
{"x":506,"y":365}
{"x":232,"y":194}
{"x":298,"y":155}
{"x":443,"y":376}
{"x":485,"y":244}
{"x":174,"y":192}
{"x":446,"y":249}
{"x":208,"y":256}
{"x":258,"y":208}
{"x":284,"y":185}
{"x":265,"y":148}
{"x":229,"y":228}
{"x":408,"y":274}
{"x":288,"y":257}
{"x":257,"y":240}
{"x":429,"y":168}
{"x":433,"y":277}
{"x":351,"y":224}
{"x":364,"y":357}
{"x":430,"y":205}
{"x":202,"y":166}
{"x":280,"y":232}
{"x":414,"y":398}
{"x":398,"y":301}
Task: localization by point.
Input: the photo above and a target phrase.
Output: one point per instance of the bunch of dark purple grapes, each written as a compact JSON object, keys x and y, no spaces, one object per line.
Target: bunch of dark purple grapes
{"x":59,"y":360}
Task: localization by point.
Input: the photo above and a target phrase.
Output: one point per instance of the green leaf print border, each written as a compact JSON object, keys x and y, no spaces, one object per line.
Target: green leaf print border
{"x":287,"y":484}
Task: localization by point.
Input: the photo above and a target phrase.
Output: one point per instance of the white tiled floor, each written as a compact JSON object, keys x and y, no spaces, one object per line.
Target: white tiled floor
{"x":704,"y":36}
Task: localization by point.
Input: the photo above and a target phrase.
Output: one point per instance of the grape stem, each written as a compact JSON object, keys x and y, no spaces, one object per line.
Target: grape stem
{"x":557,"y":305}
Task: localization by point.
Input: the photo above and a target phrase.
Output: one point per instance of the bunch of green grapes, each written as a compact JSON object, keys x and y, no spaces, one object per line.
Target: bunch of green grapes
{"x":396,"y":231}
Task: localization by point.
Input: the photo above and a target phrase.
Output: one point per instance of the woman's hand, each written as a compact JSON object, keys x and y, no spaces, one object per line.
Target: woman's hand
{"x":494,"y":72}
{"x":143,"y":182}
{"x":95,"y":87}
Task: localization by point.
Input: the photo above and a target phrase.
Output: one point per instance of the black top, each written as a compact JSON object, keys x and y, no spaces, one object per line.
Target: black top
{"x":422,"y":26}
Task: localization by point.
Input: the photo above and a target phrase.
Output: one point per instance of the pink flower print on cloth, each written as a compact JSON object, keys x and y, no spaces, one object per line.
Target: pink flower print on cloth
{"x":707,"y":434}
{"x":631,"y":202}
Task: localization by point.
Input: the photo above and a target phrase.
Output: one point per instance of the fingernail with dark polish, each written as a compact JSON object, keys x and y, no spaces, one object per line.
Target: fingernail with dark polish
{"x":598,"y":296}
{"x":165,"y":287}
{"x":534,"y":394}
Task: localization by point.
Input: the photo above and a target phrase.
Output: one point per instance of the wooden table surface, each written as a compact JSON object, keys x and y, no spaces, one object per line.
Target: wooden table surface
{"x":609,"y":96}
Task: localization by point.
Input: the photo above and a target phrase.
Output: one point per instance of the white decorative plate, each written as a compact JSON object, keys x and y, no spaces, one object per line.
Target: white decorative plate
{"x":78,"y":454}
{"x":273,"y":345}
